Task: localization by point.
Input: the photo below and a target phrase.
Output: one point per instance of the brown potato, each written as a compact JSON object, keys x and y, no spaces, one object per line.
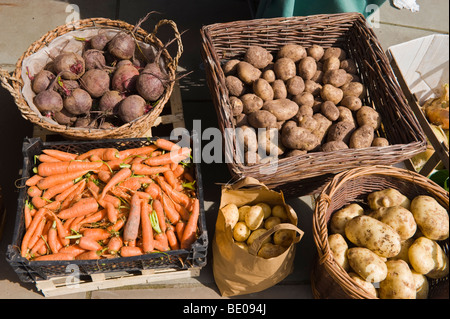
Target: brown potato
{"x":352,"y":102}
{"x":284,"y":69}
{"x":279,"y":89}
{"x":332,"y":63}
{"x":247,"y":72}
{"x":315,"y":51}
{"x":283,"y":109}
{"x":349,"y":66}
{"x":346,"y":115}
{"x":295,"y":52}
{"x":229,"y":68}
{"x":323,"y":126}
{"x":331,"y":93}
{"x":333,"y":146}
{"x":234,"y":85}
{"x":304,"y":98}
{"x":329,"y":110}
{"x":318,"y":76}
{"x":295,"y":85}
{"x":262,"y":119}
{"x":313,"y":87}
{"x":263,"y":89}
{"x":304,"y":110}
{"x":251,"y":103}
{"x":362,"y":137}
{"x":236,"y":106}
{"x":367,"y":264}
{"x":354,"y":89}
{"x":380,"y":141}
{"x":334,"y":52}
{"x":258,"y":56}
{"x":307,"y":68}
{"x":399,"y":282}
{"x":341,"y":131}
{"x":307,"y":121}
{"x":336,"y":78}
{"x":299,"y":138}
{"x":246,"y":138}
{"x":241,"y":119}
{"x":368,"y":116}
{"x":269,"y":75}
{"x":340,"y":218}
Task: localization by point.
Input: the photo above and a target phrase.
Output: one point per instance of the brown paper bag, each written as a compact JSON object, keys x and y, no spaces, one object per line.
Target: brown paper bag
{"x":236,"y":271}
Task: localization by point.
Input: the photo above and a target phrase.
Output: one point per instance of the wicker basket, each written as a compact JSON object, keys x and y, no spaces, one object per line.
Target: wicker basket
{"x":14,"y":83}
{"x":224,"y":41}
{"x":330,"y":280}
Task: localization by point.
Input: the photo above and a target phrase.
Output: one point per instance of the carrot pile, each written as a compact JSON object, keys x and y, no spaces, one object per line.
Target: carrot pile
{"x":107,"y":203}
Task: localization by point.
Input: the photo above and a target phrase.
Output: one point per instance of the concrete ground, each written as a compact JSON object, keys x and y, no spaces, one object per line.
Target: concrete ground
{"x":23,"y":22}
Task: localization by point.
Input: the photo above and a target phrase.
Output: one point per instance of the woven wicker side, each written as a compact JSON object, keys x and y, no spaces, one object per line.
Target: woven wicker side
{"x":224,"y":41}
{"x":14,"y":84}
{"x":329,"y":279}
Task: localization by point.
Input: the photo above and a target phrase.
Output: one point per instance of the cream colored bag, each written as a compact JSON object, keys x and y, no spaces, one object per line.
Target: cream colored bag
{"x":236,"y":271}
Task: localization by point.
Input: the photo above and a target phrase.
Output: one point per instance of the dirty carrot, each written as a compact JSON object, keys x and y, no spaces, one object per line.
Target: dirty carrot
{"x":131,"y":229}
{"x":172,"y":238}
{"x":94,"y":217}
{"x":61,"y":155}
{"x":89,"y":243}
{"x":190,"y":231}
{"x":177,"y":196}
{"x":48,"y":169}
{"x":83,"y":207}
{"x":172,"y":180}
{"x":118,"y":177}
{"x":178,"y":171}
{"x":161,"y":242}
{"x":143,"y":169}
{"x":166,"y":145}
{"x":146,"y":228}
{"x":170,"y":210}
{"x":104,"y":176}
{"x":129,"y":251}
{"x":169,"y":158}
{"x":71,"y":197}
{"x":184,"y":213}
{"x":57,"y":256}
{"x":56,"y":179}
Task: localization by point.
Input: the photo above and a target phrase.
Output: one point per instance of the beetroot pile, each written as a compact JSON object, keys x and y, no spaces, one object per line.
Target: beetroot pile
{"x":103,"y":87}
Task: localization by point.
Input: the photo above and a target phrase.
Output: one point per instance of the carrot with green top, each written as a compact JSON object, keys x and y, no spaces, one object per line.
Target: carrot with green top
{"x":118,"y":177}
{"x":63,"y":195}
{"x":56,"y":179}
{"x":34,"y":191}
{"x":159,"y":210}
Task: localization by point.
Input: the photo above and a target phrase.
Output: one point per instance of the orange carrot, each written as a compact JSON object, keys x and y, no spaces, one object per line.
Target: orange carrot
{"x":172,"y":238}
{"x":44,"y":158}
{"x":190,"y":231}
{"x":154,"y":190}
{"x":179,"y":229}
{"x":131,"y":229}
{"x":96,"y":233}
{"x":104,"y":176}
{"x":81,"y":208}
{"x":74,"y":250}
{"x":114,"y":245}
{"x":93,"y":188}
{"x":55,"y":205}
{"x":90,"y":254}
{"x":61,"y":155}
{"x":40,"y":214}
{"x":53,"y":240}
{"x":57,"y":256}
{"x":177,"y":196}
{"x":109,"y":199}
{"x":34,"y":191}
{"x":94,"y":217}
{"x":62,"y":231}
{"x":33,"y":180}
{"x":89,"y":243}
{"x":37,"y":233}
{"x":158,"y":207}
{"x":146,"y":228}
{"x":62,"y":196}
{"x":178,"y":171}
{"x":188,"y":176}
{"x":166,"y":145}
{"x":104,"y":153}
{"x":118,"y":177}
{"x":172,"y":180}
{"x":170,"y":210}
{"x":169,"y":158}
{"x":184,"y":213}
{"x":27,"y":215}
{"x":57,"y":189}
{"x":115,"y":164}
{"x":75,"y":225}
{"x":143,"y":169}
{"x":38,"y":202}
{"x":137,"y":151}
{"x":161,"y":242}
{"x":112,"y":212}
{"x":129,"y":251}
{"x":56,"y":179}
{"x":48,"y":169}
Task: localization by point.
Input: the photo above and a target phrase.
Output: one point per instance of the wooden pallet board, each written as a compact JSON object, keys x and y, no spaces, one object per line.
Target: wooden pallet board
{"x":71,"y":284}
{"x":171,"y":117}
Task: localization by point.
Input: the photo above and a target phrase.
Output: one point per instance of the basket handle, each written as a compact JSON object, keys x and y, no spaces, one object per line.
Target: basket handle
{"x":7,"y":81}
{"x":173,"y":25}
{"x":256,"y":245}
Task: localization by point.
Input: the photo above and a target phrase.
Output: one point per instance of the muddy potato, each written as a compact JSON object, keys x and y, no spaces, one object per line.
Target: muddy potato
{"x":352,"y":102}
{"x":399,"y":218}
{"x":368,"y":116}
{"x":236,"y":106}
{"x":269,"y":250}
{"x":367,"y":264}
{"x":340,"y":218}
{"x":333,"y":146}
{"x":341,"y":131}
{"x":313,"y":87}
{"x":427,"y":258}
{"x":295,"y":85}
{"x":295,"y":52}
{"x":307,"y":68}
{"x":304,"y":110}
{"x":334,"y":52}
{"x":263,"y":89}
{"x":256,"y":234}
{"x":346,"y":115}
{"x":279,"y":89}
{"x":231,"y":214}
{"x":269,"y":140}
{"x":283,"y":237}
{"x":323,"y":125}
{"x":251,"y":103}
{"x":431,"y":217}
{"x":336,"y":78}
{"x":299,"y":138}
{"x":258,"y":56}
{"x":421,"y":284}
{"x":246,"y":138}
{"x":254,"y":217}
{"x":332,"y":63}
{"x":329,"y":110}
{"x":229,"y":67}
{"x":380,"y":141}
{"x":383,"y":239}
{"x":241,"y":231}
{"x":284,"y":69}
{"x":331,"y":93}
{"x":318,"y":76}
{"x":362,"y":137}
{"x":349,"y":66}
{"x":354,"y":89}
{"x":241,"y":120}
{"x":339,"y":248}
{"x":370,"y":288}
{"x":262,"y":119}
{"x":234,"y":85}
{"x":315,"y":51}
{"x":399,"y":282}
{"x":387,"y":198}
{"x":247,"y":72}
{"x":283,"y":109}
{"x":268,"y":75}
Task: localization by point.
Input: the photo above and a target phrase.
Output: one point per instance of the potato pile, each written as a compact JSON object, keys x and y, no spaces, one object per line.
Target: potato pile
{"x":312,"y":96}
{"x":392,"y":243}
{"x":248,"y":222}
{"x":105,"y":86}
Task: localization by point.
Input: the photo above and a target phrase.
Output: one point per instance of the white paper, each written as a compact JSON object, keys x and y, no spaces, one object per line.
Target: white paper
{"x":407,"y":4}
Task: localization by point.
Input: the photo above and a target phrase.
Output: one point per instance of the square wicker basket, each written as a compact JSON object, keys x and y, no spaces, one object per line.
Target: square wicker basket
{"x":306,"y":174}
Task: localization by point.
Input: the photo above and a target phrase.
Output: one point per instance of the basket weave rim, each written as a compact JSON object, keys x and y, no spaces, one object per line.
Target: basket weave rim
{"x":140,"y":125}
{"x":320,"y":229}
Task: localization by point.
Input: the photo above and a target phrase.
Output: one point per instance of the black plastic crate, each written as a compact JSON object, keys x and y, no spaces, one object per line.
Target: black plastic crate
{"x":30,"y":271}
